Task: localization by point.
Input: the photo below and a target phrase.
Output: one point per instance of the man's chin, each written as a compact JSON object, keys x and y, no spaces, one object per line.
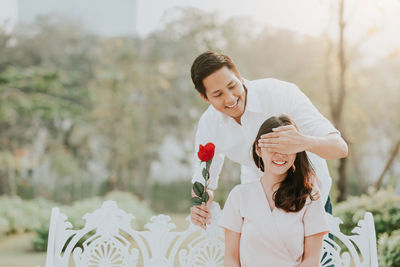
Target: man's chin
{"x":232,"y":114}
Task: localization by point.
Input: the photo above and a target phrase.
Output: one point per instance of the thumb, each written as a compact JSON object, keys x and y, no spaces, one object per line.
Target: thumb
{"x":210,"y":197}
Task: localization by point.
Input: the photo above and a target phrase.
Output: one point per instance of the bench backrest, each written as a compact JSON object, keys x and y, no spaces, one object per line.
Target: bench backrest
{"x":110,"y":241}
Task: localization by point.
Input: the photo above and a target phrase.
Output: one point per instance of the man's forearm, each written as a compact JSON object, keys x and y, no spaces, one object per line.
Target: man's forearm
{"x":331,"y":146}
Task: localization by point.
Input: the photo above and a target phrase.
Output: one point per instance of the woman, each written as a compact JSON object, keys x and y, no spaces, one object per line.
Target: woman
{"x":278,"y":221}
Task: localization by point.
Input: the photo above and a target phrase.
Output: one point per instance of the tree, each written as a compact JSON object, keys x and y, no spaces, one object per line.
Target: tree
{"x":338,"y":90}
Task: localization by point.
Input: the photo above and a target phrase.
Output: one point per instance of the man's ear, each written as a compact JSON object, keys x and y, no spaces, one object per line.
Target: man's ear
{"x":204,"y":97}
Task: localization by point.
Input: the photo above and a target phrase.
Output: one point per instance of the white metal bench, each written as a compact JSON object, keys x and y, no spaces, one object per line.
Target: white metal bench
{"x":112,"y":242}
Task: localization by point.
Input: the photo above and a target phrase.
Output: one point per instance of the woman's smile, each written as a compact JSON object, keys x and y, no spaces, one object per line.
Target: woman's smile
{"x":279,"y":163}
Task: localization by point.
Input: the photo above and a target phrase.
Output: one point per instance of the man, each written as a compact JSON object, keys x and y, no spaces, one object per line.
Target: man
{"x":237,"y":109}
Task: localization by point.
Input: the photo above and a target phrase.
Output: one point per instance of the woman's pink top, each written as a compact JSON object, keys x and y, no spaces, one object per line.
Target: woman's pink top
{"x":270,"y":238}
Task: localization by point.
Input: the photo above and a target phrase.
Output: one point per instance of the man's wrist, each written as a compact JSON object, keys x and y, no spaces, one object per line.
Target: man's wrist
{"x":309,"y":142}
{"x":210,"y":193}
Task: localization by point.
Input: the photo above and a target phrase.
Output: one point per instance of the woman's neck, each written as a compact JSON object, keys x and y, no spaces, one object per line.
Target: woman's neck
{"x":271,"y":181}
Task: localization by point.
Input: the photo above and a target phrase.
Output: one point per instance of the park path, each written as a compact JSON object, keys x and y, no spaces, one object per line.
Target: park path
{"x":16,"y":251}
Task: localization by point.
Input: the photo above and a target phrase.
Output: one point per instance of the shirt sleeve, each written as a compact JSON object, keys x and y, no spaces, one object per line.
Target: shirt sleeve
{"x":321,"y":170}
{"x":231,"y":217}
{"x":307,"y":117}
{"x":204,"y":136}
{"x":311,"y":122}
{"x":314,"y":218}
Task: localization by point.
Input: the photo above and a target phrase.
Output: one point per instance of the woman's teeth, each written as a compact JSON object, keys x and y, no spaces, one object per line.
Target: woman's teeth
{"x":234,"y":105}
{"x":279,"y":162}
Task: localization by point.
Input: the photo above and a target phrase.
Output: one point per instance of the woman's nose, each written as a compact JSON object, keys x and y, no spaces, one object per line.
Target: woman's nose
{"x":280,"y":155}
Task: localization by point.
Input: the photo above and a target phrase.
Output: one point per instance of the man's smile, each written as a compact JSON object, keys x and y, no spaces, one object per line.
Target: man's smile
{"x":234,"y":105}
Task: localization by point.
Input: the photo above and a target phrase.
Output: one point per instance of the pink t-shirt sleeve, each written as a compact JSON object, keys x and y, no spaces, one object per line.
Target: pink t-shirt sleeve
{"x":314,"y":219}
{"x":231,"y":217}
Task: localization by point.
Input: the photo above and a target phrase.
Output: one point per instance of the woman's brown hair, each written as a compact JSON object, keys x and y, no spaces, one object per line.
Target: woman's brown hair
{"x":293,"y":191}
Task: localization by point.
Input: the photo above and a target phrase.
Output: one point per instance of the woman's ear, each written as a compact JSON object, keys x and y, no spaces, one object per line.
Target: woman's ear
{"x":257,"y":149}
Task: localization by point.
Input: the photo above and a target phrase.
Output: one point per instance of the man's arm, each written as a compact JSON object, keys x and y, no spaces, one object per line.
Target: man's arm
{"x":315,"y":133}
{"x":331,"y":146}
{"x":205,"y":134}
{"x":288,"y":140}
{"x":200,"y":215}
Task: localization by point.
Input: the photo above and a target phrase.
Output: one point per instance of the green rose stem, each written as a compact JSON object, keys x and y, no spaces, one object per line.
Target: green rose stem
{"x":199,"y":189}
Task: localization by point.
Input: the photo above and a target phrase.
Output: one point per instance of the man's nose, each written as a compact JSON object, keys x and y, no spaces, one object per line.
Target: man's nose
{"x":230,"y":99}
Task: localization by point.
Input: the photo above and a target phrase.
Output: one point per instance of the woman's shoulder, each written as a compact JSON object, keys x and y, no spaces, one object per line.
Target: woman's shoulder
{"x":314,"y":196}
{"x":244,"y":188}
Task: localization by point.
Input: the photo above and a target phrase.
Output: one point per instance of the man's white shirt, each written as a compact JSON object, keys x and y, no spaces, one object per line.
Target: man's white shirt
{"x":265,"y":98}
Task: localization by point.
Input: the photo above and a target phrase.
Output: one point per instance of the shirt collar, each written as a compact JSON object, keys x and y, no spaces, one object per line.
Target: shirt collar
{"x":252,"y":102}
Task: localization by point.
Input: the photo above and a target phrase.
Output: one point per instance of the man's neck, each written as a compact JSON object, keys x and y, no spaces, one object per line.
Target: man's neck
{"x":239,"y":119}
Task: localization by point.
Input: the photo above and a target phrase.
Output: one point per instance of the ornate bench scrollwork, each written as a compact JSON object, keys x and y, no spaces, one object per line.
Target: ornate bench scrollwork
{"x":110,"y":241}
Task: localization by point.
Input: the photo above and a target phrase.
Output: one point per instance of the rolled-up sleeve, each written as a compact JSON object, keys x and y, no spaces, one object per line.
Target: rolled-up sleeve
{"x":307,"y":117}
{"x":204,"y":136}
{"x":231,"y":217}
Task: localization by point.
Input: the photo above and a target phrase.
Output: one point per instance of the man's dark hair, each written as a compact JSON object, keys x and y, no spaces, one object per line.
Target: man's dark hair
{"x":206,"y":64}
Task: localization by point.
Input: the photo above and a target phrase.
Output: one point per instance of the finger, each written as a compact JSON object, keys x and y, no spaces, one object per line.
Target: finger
{"x":203,"y":214}
{"x":199,"y":213}
{"x":197,"y":207}
{"x":270,"y":135}
{"x":197,"y":220}
{"x":283,"y":128}
{"x":206,"y":213}
{"x":202,"y":210}
{"x":269,"y":146}
{"x":205,"y":207}
{"x":271,"y":150}
{"x":274,"y":140}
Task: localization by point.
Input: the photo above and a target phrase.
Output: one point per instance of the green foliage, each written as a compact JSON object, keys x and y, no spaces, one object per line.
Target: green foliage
{"x":42,"y":235}
{"x":388,"y":249}
{"x":173,"y":197}
{"x":37,"y":92}
{"x":383,"y":204}
{"x":196,"y":201}
{"x":17,"y":215}
{"x":198,"y":189}
{"x":205,"y":197}
{"x":206,"y":174}
{"x":125,"y":201}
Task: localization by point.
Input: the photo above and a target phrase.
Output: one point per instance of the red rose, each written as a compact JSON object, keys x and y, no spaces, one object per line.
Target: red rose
{"x":206,"y":153}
